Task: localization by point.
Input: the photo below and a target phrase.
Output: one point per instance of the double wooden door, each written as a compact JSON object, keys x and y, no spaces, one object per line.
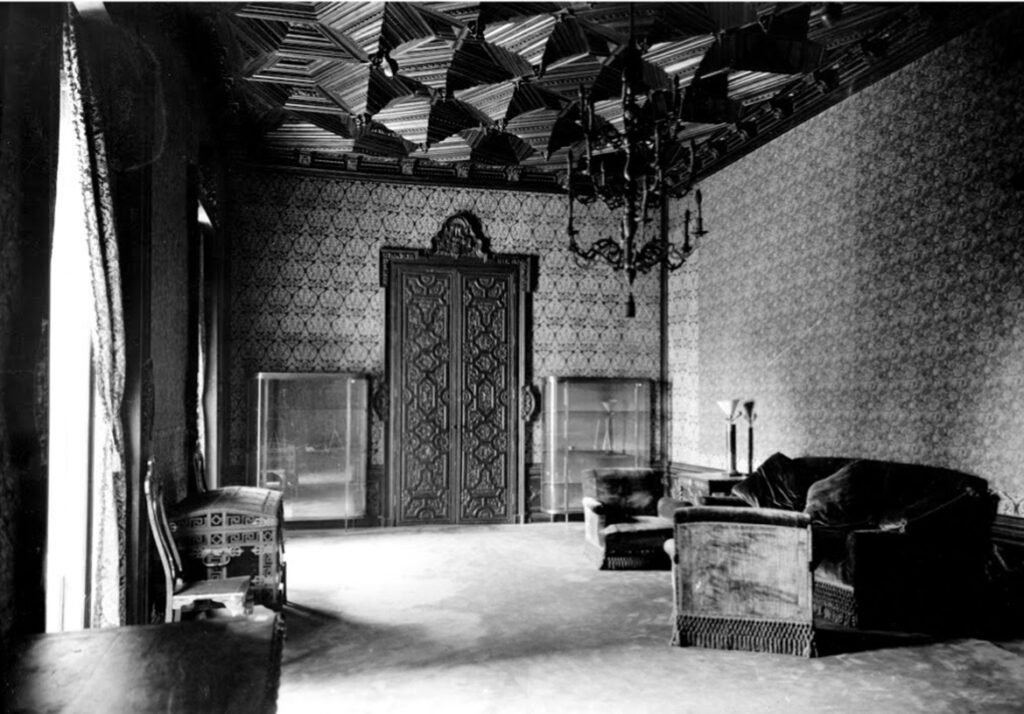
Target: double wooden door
{"x":455,"y":369}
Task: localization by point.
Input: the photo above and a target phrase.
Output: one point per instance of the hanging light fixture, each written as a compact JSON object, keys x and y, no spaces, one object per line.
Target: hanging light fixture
{"x":383,"y":60}
{"x":635,"y":171}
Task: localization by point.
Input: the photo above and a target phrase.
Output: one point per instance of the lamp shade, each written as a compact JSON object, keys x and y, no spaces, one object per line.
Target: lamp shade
{"x":730,"y":407}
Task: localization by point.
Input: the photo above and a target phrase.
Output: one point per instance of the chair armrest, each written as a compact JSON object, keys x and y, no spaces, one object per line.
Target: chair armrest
{"x":736,"y":514}
{"x":724,"y":501}
{"x":966,"y":514}
{"x":667,"y":506}
{"x":594,"y":521}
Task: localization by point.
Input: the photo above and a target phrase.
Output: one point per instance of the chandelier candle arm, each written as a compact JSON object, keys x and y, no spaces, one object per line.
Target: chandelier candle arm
{"x":629,"y":169}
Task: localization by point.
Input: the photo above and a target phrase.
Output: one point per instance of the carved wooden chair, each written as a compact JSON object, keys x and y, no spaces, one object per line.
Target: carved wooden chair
{"x":232,"y":530}
{"x":232,"y":594}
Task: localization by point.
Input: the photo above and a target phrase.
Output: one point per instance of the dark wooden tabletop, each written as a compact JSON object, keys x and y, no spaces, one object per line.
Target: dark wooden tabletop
{"x":213,"y":665}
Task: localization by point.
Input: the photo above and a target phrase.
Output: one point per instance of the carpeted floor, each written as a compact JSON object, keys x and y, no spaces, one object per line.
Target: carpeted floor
{"x":515,"y":619}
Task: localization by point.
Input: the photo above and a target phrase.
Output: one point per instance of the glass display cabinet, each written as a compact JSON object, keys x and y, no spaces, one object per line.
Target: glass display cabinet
{"x":591,"y":422}
{"x":312,"y":442}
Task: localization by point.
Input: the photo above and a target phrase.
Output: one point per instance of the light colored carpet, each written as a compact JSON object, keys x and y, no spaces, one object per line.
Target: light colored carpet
{"x":516,"y":619}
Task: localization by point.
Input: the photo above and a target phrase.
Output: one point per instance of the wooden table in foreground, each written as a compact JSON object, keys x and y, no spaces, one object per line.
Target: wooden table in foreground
{"x":214,"y":665}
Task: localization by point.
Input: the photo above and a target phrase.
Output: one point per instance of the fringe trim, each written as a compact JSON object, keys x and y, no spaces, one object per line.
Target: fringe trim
{"x":643,"y":560}
{"x":835,"y":604}
{"x":776,"y":637}
{"x":637,"y":559}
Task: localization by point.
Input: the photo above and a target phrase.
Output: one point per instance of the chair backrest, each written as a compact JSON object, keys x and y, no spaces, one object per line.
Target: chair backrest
{"x":634,"y":490}
{"x":162,"y":537}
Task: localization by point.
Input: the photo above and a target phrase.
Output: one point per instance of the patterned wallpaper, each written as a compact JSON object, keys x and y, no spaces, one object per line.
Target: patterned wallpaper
{"x":864,"y":278}
{"x":305,"y":292}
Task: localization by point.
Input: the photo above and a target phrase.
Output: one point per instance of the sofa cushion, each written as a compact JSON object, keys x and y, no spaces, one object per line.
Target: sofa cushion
{"x":779,"y":482}
{"x":891,"y":495}
{"x":645,"y":532}
{"x":849,"y":498}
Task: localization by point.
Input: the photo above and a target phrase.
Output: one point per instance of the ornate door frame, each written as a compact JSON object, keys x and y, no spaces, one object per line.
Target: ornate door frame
{"x":457,"y":249}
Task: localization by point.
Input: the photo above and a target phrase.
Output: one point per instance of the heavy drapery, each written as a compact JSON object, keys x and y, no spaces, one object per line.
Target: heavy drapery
{"x":108,"y":517}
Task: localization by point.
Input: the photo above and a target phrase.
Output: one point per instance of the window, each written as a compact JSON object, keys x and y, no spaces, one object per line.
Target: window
{"x":86,"y":519}
{"x":71,"y":392}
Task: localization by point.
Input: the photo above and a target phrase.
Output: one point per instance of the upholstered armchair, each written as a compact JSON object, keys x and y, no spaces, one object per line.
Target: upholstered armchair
{"x":741,"y":580}
{"x":621,"y":523}
{"x":868,"y":545}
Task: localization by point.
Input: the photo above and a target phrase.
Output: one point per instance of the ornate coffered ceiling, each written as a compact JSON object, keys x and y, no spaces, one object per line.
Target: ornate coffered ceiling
{"x":449,"y":88}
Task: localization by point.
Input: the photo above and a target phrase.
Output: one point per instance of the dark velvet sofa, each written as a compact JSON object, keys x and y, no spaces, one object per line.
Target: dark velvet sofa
{"x":865,"y":544}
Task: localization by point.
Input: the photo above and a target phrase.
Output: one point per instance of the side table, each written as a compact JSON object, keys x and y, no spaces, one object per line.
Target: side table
{"x":691,"y":482}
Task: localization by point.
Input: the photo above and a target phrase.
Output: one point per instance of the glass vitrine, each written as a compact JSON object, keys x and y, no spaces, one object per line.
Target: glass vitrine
{"x":312,"y":442}
{"x":591,"y":422}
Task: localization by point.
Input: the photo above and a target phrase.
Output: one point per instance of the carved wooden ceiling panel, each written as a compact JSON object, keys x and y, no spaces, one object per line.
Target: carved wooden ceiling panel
{"x":498,"y":84}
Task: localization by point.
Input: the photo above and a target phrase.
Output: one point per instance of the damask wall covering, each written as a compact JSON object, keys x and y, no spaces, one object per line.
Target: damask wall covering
{"x":305,"y":291}
{"x":864,"y":281}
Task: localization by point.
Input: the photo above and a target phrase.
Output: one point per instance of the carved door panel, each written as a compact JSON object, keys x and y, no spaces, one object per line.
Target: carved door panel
{"x":456,"y":320}
{"x":487,"y":422}
{"x":454,"y":374}
{"x":421,"y":448}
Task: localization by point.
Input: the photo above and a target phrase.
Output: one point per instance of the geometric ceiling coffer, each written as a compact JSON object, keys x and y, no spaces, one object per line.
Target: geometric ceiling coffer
{"x":499,"y":84}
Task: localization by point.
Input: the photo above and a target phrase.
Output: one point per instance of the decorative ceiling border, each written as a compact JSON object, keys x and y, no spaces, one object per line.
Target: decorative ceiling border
{"x":412,"y":170}
{"x":909,"y":36}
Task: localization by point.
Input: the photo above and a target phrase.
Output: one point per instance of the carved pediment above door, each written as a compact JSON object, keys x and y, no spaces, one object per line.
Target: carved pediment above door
{"x":461,"y":239}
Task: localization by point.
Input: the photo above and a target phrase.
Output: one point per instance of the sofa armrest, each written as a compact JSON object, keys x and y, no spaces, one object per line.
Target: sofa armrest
{"x":736,"y":514}
{"x":741,"y":565}
{"x":966,"y":514}
{"x":594,"y":521}
{"x":592,"y":505}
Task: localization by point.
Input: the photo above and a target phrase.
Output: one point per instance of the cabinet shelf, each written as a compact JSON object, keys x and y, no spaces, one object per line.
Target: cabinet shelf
{"x":312,"y":442}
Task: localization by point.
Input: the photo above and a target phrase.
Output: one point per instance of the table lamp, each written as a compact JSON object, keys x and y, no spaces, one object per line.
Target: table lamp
{"x":730,"y":407}
{"x":748,"y":413}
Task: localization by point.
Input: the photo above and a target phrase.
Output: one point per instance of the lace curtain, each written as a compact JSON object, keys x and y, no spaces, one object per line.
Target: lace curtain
{"x":108,"y":518}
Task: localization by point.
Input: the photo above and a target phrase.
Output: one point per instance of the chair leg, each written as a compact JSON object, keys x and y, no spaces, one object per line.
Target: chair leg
{"x":283,"y":587}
